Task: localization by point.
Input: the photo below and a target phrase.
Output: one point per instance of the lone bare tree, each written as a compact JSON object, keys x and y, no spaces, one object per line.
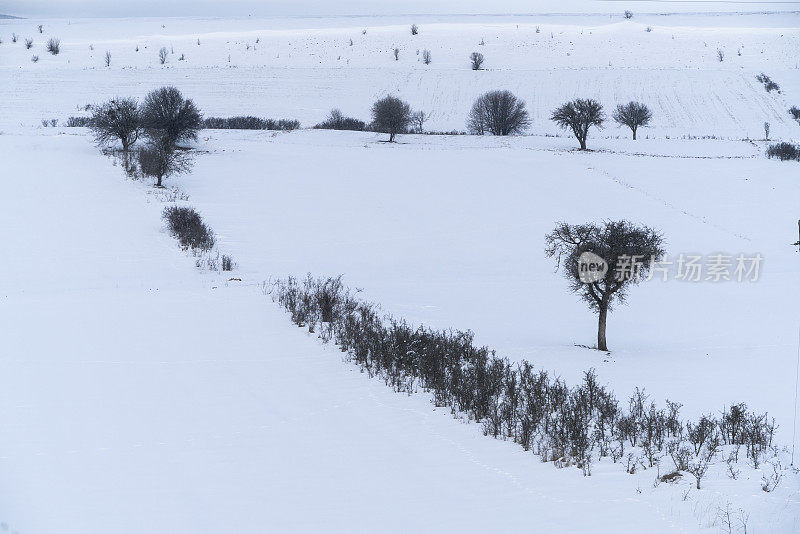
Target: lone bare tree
{"x":426,"y":56}
{"x":579,"y":115}
{"x":117,"y":119}
{"x":633,"y":115}
{"x":169,"y":118}
{"x":418,"y":119}
{"x":107,"y":58}
{"x":627,"y":250}
{"x":498,"y":113}
{"x":476,"y":59}
{"x":162,"y":55}
{"x":391,"y":115}
{"x":161,"y":161}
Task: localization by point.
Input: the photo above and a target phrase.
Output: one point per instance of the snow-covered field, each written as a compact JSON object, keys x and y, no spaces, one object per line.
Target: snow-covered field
{"x":142,"y":394}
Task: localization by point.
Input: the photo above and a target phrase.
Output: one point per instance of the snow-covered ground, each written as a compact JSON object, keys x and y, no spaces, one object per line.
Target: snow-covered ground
{"x":140,"y":394}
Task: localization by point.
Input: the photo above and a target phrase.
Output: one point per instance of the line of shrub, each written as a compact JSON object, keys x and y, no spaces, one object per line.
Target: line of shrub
{"x":249,"y":123}
{"x":784,"y":151}
{"x":568,"y":425}
{"x":188,"y":227}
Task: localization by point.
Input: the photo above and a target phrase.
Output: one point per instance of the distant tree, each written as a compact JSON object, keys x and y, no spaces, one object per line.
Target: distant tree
{"x":418,"y":119}
{"x":628,"y":14}
{"x":160,"y":161}
{"x":162,"y":55}
{"x":476,"y":59}
{"x":28,"y":43}
{"x":54,"y":46}
{"x":117,"y":119}
{"x":426,"y":56}
{"x":169,"y":118}
{"x":107,"y":58}
{"x":766,"y":131}
{"x":41,"y":28}
{"x":628,"y":251}
{"x":633,"y":115}
{"x":337,"y":121}
{"x":391,"y":115}
{"x":414,"y":29}
{"x":396,"y":52}
{"x":498,"y":113}
{"x":579,"y":115}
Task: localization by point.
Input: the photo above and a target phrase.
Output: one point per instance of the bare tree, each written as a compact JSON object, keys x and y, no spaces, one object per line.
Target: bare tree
{"x":418,"y":119}
{"x":28,"y":43}
{"x":162,"y":55}
{"x":117,"y":119}
{"x":54,"y":46}
{"x":476,"y":59}
{"x":169,"y":118}
{"x":627,"y":251}
{"x":426,"y":56}
{"x":633,"y":115}
{"x":108,"y":58}
{"x":498,"y":113}
{"x":414,"y":29}
{"x":160,"y":161}
{"x":391,"y":115}
{"x":578,"y":116}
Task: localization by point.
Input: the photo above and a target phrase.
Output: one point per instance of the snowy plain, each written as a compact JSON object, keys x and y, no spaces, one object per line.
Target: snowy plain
{"x":164,"y":398}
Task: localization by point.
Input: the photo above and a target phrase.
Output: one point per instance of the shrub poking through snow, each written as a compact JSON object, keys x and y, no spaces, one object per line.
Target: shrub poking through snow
{"x":794,"y":111}
{"x":391,"y":115}
{"x":227,"y":263}
{"x":426,"y":56}
{"x":563,"y":424}
{"x":163,"y":53}
{"x":498,"y":113}
{"x":35,"y":58}
{"x":78,"y":122}
{"x":54,"y":46}
{"x":188,"y":227}
{"x":414,"y":29}
{"x":767,"y":82}
{"x":579,"y":115}
{"x":249,"y":123}
{"x":28,"y":44}
{"x":784,"y":151}
{"x":337,"y":121}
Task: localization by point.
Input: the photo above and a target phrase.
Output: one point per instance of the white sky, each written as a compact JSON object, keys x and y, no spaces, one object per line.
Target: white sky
{"x":145,"y":8}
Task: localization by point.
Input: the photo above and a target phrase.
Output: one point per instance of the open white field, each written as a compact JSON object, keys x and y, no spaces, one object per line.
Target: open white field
{"x":143,"y":394}
{"x":301,"y":68}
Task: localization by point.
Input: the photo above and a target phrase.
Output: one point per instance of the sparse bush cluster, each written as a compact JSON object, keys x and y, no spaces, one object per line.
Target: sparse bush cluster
{"x":784,"y":151}
{"x":54,"y":46}
{"x":249,"y":123}
{"x":188,"y":227}
{"x":566,"y":425}
{"x":769,"y":85}
{"x":78,"y":122}
{"x":337,"y":121}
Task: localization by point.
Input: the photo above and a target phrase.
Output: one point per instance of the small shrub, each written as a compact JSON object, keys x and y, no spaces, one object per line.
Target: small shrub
{"x":107,"y":58}
{"x":188,"y":227}
{"x":720,"y":55}
{"x":54,"y":46}
{"x":426,"y":56}
{"x":784,"y":151}
{"x":628,"y":14}
{"x":227,"y":263}
{"x":414,"y":29}
{"x":648,"y":29}
{"x":78,"y":122}
{"x":28,"y":43}
{"x":476,"y":60}
{"x":794,"y":111}
{"x":337,"y":121}
{"x":769,"y":85}
{"x":14,"y":37}
{"x":41,"y":28}
{"x":35,"y":58}
{"x":396,"y":53}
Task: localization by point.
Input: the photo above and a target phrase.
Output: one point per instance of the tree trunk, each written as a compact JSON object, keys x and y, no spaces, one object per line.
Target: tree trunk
{"x":582,"y":141}
{"x":634,"y":134}
{"x":159,"y":185}
{"x":601,"y":327}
